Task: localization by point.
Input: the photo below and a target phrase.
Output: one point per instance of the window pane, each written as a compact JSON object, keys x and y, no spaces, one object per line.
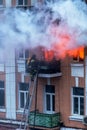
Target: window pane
{"x":81,"y":106}
{"x":23,"y":86}
{"x":48,"y":102}
{"x":75,"y":105}
{"x":26,"y":2}
{"x":20,"y":2}
{"x":50,"y":88}
{"x":2,"y":99}
{"x":1,"y":2}
{"x":22,"y":100}
{"x":1,"y":84}
{"x":78,"y":91}
{"x":27,"y":100}
{"x":21,"y":53}
{"x":26,"y":53}
{"x":53,"y":103}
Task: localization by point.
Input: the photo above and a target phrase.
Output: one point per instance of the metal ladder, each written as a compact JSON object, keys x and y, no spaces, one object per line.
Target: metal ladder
{"x":26,"y":112}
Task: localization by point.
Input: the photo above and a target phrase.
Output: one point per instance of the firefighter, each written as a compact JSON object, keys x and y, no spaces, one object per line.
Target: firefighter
{"x":33,"y":66}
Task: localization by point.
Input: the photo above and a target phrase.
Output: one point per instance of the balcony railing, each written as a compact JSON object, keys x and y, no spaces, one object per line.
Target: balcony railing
{"x":46,"y":67}
{"x":44,"y":120}
{"x":49,"y":67}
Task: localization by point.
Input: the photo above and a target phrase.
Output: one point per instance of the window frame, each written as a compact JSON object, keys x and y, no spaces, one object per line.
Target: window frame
{"x":24,"y":92}
{"x":23,"y":53}
{"x":77,"y":59}
{"x":79,"y":104}
{"x":51,"y":103}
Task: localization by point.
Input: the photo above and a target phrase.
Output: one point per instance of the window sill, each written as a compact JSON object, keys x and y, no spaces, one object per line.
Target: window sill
{"x":76,"y":118}
{"x":2,"y":110}
{"x":21,"y":61}
{"x":76,"y":65}
{"x":20,"y":111}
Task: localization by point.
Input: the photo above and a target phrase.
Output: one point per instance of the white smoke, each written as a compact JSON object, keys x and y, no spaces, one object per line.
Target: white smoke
{"x":33,"y":28}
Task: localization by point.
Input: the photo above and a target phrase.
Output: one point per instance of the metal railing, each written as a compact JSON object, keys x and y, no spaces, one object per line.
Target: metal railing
{"x":44,"y":120}
{"x":47,"y":67}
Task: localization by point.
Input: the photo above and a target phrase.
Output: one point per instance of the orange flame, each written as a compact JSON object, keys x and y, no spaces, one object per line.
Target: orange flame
{"x":63,"y":45}
{"x":78,"y":52}
{"x":49,"y":55}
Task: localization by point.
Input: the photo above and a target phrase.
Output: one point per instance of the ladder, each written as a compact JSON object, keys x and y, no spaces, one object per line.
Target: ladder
{"x":26,"y":112}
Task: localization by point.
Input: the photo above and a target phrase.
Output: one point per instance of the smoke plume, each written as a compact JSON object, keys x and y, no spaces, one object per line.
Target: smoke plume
{"x":59,"y":26}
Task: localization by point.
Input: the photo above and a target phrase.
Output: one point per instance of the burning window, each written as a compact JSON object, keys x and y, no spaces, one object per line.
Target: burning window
{"x":79,"y":54}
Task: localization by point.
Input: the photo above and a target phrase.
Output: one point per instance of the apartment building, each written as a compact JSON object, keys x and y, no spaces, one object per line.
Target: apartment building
{"x":60,"y":98}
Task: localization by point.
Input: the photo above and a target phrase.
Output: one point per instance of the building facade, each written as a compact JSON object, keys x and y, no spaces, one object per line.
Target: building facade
{"x":60,"y":100}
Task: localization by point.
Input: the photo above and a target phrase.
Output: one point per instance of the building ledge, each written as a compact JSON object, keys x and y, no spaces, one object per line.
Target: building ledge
{"x":50,"y":75}
{"x":76,"y":118}
{"x":77,"y":65}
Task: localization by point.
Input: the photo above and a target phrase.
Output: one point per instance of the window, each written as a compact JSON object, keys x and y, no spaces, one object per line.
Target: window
{"x":2,"y":95}
{"x":77,"y":59}
{"x":78,"y":101}
{"x":22,"y":2}
{"x":23,"y":54}
{"x":1,"y":2}
{"x":23,"y":95}
{"x":78,"y":54}
{"x":50,"y":98}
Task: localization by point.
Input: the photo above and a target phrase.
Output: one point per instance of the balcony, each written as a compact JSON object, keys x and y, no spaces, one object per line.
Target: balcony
{"x":44,"y":120}
{"x":47,"y":68}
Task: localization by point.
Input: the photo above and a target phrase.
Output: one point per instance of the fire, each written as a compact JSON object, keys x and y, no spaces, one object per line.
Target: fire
{"x":75,"y":53}
{"x":78,"y":52}
{"x":64,"y":44}
{"x":49,"y":55}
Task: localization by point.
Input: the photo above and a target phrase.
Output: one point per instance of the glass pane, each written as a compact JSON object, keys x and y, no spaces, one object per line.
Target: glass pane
{"x":50,"y":88}
{"x":53,"y":103}
{"x":81,"y":106}
{"x":20,"y":2}
{"x":23,"y":86}
{"x":2,"y":98}
{"x":48,"y":102}
{"x":26,"y":53}
{"x":27,"y":100}
{"x":21,"y":53}
{"x":1,"y":84}
{"x":75,"y":105}
{"x":1,"y":2}
{"x":22,"y":100}
{"x":26,"y":2}
{"x":78,"y":91}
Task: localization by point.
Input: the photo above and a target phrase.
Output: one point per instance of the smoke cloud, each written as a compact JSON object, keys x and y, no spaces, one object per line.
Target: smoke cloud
{"x":60,"y":26}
